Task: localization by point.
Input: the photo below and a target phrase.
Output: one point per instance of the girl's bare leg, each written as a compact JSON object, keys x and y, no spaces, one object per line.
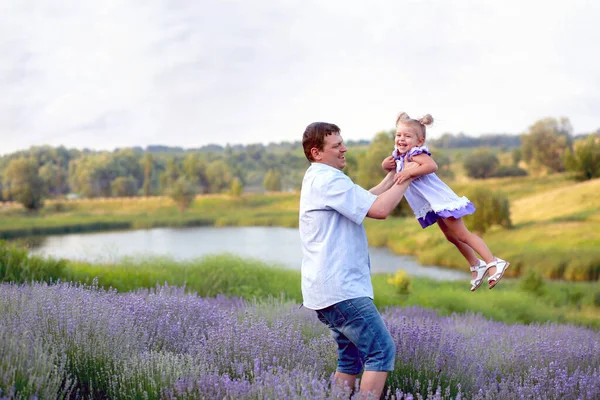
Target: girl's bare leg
{"x":466,"y":250}
{"x":458,"y":229}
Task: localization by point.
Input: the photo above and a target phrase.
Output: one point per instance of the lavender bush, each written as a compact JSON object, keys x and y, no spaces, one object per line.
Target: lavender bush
{"x":74,"y":341}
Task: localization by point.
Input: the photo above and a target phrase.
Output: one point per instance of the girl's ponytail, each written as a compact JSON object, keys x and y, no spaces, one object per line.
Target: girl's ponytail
{"x":426,"y":120}
{"x":401,"y":118}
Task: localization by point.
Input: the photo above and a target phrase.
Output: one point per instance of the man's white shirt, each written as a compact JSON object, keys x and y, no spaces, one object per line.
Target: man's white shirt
{"x":335,"y":262}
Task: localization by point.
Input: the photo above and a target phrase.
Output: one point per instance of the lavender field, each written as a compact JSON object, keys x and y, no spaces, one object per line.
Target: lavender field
{"x":71,"y":341}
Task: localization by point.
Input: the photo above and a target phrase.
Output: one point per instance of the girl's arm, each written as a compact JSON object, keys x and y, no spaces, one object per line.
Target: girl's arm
{"x":389,"y":164}
{"x":425,"y":165}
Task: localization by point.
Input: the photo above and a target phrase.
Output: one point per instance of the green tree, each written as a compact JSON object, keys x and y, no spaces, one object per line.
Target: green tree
{"x":237,"y":188}
{"x":24,"y":183}
{"x":370,"y":172}
{"x":481,"y":164}
{"x":546,"y":143}
{"x":91,"y":175}
{"x":516,"y":155}
{"x":219,"y":176}
{"x":351,"y":166}
{"x":585,"y":158}
{"x":148,"y":168}
{"x":171,"y":174}
{"x":183,"y":192}
{"x":493,"y":208}
{"x":124,"y":186}
{"x":194,"y":168}
{"x":55,"y":179}
{"x":444,"y":163}
{"x":126,"y":162}
{"x":272,"y":181}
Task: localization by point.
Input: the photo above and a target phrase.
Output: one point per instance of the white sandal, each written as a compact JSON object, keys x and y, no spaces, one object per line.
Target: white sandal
{"x":481,"y":269}
{"x":501,"y":266}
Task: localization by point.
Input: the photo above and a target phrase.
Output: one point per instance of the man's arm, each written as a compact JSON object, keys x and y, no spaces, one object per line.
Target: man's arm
{"x":424,"y":165}
{"x":391,"y":177}
{"x":384,"y":185}
{"x":388,"y":200}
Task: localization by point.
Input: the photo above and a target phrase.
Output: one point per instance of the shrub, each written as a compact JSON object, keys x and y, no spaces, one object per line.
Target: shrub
{"x":23,"y":183}
{"x":597,"y":298}
{"x":532,"y":282}
{"x":582,"y":268}
{"x":183,"y":193}
{"x":56,"y":206}
{"x":509,"y":170}
{"x":124,"y":186}
{"x":585,"y":159}
{"x":237,"y":188}
{"x":401,"y":281}
{"x":493,"y":208}
{"x":481,"y":164}
{"x":272,"y":181}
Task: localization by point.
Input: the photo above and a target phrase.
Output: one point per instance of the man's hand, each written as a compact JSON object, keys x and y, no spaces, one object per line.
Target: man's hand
{"x":389,"y":164}
{"x":405,"y":174}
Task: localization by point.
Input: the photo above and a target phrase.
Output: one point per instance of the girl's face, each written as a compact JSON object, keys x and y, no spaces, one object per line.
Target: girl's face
{"x":407,"y":137}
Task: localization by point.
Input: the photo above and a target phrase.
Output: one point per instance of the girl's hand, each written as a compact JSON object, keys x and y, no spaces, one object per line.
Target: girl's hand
{"x":402,"y":176}
{"x":389,"y":164}
{"x":406,"y":173}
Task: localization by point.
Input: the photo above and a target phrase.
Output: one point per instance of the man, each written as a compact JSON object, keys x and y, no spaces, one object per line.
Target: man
{"x":336,"y":280}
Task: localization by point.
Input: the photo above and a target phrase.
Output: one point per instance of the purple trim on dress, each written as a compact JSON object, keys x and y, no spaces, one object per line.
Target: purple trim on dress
{"x":407,"y":156}
{"x":431,"y":217}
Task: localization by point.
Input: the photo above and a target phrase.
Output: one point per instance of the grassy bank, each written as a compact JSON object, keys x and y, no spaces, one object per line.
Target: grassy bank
{"x":510,"y":302}
{"x":556,"y":223}
{"x":144,"y":213}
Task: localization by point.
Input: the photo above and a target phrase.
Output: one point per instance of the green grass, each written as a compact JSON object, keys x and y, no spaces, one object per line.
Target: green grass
{"x":561,"y":302}
{"x":557,"y":250}
{"x":556,"y":223}
{"x":575,"y":202}
{"x":506,"y":302}
{"x":518,"y":187}
{"x":18,"y":266}
{"x":209,"y":276}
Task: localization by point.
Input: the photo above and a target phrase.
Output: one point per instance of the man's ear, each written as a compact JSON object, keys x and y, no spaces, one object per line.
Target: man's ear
{"x":315,"y":153}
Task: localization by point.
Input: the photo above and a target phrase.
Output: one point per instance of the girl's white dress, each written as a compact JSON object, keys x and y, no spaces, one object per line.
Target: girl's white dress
{"x":428,"y":196}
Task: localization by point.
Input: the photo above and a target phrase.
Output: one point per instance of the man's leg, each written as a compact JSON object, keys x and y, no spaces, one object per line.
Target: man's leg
{"x":342,"y":379}
{"x":349,"y":358}
{"x":361,"y":330}
{"x":365,"y":328}
{"x":372,"y":383}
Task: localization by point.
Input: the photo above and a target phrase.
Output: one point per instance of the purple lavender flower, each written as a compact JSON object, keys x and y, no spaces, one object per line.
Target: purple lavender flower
{"x":77,"y":341}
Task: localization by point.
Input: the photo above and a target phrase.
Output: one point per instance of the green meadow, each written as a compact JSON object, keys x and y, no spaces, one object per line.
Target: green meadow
{"x":555,"y":233}
{"x":553,"y":247}
{"x":513,"y":301}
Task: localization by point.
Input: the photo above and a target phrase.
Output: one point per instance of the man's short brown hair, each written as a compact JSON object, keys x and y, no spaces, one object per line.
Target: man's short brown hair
{"x":314,"y":136}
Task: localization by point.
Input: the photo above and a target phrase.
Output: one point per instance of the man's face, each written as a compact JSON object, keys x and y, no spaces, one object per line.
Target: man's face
{"x":333,"y":152}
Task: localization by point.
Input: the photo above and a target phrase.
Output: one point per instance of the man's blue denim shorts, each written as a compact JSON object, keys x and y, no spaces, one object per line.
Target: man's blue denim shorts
{"x":362,"y":337}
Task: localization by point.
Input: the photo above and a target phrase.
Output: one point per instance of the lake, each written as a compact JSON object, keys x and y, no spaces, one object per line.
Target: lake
{"x":272,"y":245}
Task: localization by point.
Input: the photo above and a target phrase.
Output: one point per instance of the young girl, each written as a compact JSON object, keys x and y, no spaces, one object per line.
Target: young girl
{"x":433,"y":201}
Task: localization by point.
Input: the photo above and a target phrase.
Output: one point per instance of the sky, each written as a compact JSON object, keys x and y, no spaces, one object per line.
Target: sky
{"x":120,"y":73}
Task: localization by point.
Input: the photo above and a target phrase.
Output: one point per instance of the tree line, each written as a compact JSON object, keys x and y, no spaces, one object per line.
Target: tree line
{"x":42,"y":172}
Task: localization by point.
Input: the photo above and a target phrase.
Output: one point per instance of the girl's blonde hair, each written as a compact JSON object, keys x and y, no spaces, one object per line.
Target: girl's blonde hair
{"x":419,"y":124}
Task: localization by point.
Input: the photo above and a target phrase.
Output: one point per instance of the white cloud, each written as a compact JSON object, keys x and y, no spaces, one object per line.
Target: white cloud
{"x":132,"y":72}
